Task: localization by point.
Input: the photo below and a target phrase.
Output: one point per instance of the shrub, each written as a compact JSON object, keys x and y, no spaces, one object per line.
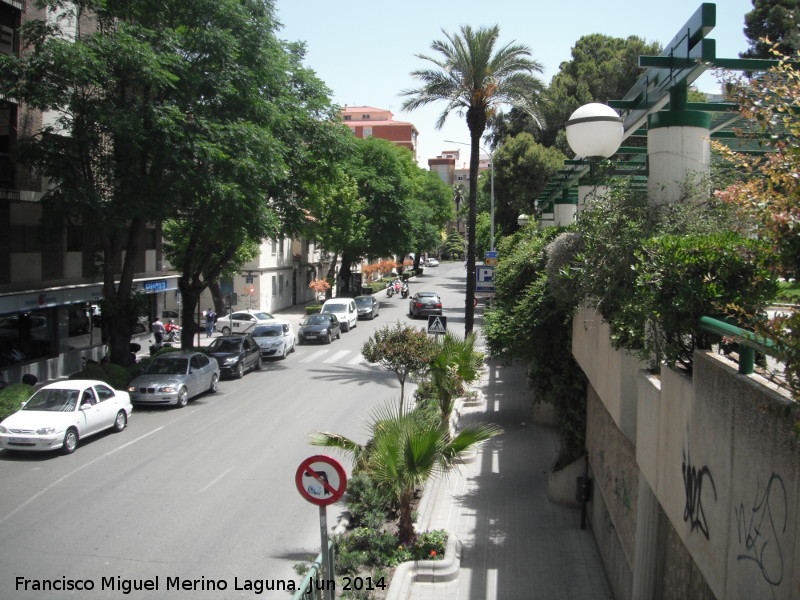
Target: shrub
{"x":368,"y":504}
{"x":682,"y":278}
{"x":12,"y":396}
{"x":364,"y":546}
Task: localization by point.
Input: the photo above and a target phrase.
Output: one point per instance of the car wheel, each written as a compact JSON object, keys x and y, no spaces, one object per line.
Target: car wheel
{"x":214,"y":381}
{"x":285,"y":352}
{"x":183,"y":397}
{"x":258,"y":363}
{"x":70,"y":441}
{"x":121,"y":421}
{"x":329,"y":339}
{"x":345,"y":327}
{"x":301,"y":341}
{"x":226,"y":331}
{"x":239,"y":373}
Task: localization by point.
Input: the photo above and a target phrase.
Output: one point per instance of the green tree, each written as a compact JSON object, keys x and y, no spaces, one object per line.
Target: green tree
{"x":772,"y":22}
{"x":472,"y":75}
{"x":430,"y":209}
{"x":454,"y":367}
{"x":400,"y":349}
{"x":521,"y":169}
{"x":601,"y":68}
{"x":405,"y":451}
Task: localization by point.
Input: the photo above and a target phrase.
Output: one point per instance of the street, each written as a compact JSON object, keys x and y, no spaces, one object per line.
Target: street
{"x":199,"y":502}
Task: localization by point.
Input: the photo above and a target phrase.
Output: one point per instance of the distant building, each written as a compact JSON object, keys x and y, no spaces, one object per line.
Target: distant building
{"x":454,"y":171}
{"x":366,"y":121}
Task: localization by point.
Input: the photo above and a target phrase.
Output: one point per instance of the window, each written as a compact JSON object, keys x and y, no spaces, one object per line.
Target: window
{"x":367,"y":132}
{"x":74,"y":238}
{"x":274,"y":246}
{"x":274,"y":285}
{"x":104,"y":392}
{"x":6,"y":40}
{"x":25,"y":238}
{"x":348,"y":117}
{"x":280,"y":284}
{"x":365,"y":117}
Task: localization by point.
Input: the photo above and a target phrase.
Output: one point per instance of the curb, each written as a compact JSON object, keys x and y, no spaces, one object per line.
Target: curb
{"x":426,"y":570}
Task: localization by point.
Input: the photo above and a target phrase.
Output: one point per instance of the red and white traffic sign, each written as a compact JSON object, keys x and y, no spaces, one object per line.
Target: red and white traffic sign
{"x":321,"y":480}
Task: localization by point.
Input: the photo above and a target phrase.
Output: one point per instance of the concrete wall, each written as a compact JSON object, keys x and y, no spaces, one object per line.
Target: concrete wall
{"x":718,"y":454}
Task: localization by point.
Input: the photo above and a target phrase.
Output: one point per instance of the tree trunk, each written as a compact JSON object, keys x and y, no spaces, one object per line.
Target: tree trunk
{"x":405,"y":525}
{"x":476,"y":121}
{"x":216,"y":296}
{"x":191,"y":299}
{"x":331,"y":277}
{"x":344,"y":274}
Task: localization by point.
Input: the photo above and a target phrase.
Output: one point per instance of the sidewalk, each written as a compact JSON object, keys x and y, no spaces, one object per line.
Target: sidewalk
{"x":516,"y":543}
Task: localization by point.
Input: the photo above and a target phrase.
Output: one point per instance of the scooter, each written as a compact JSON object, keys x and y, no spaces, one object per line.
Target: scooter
{"x":389,"y":289}
{"x":404,"y":290}
{"x":173,"y":332}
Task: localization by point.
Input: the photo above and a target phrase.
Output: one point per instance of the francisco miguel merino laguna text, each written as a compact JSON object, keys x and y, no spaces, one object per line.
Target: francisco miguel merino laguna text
{"x":128,"y":586}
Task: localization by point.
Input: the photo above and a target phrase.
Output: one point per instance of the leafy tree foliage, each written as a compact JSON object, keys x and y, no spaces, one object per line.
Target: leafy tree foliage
{"x":772,"y":22}
{"x":472,"y":75}
{"x":401,"y":349}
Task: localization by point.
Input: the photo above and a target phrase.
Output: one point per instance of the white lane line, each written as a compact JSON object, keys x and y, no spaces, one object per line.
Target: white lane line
{"x":216,"y":479}
{"x":359,"y":358}
{"x":71,"y":473}
{"x":315,"y":356}
{"x":337,"y":356}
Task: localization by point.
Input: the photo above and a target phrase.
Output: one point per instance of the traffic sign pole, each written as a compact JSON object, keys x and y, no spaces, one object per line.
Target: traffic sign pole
{"x":327,"y":564}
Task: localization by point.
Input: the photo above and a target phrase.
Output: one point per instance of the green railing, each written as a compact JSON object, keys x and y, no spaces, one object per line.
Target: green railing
{"x":314,"y":586}
{"x":748,"y":342}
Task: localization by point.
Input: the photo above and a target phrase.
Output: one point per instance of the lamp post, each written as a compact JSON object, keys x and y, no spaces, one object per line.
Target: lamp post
{"x":491,"y":167}
{"x":594,"y":131}
{"x":523,"y":220}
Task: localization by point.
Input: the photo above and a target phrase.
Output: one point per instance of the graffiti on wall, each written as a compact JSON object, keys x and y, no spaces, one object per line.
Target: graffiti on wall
{"x":760,"y":527}
{"x":693,"y":478}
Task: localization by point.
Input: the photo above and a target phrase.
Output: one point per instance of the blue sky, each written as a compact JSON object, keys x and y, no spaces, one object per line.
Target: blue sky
{"x":365,"y":51}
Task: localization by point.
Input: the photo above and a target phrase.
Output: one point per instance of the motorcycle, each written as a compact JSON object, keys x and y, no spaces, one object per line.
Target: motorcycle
{"x":404,"y":290}
{"x":389,"y":289}
{"x":173,"y":332}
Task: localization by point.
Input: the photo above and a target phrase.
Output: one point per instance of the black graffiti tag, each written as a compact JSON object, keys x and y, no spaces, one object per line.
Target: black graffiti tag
{"x":693,"y":512}
{"x":760,"y":527}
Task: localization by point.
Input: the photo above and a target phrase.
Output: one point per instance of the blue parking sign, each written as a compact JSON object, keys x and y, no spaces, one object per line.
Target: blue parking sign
{"x":484,"y":278}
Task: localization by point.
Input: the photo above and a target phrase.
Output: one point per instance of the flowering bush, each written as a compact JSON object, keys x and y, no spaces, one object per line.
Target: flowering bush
{"x":320,"y":286}
{"x":365,"y":546}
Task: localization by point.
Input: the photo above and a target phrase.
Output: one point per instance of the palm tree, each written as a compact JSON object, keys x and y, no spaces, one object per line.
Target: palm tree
{"x":406,"y":449}
{"x":473,"y":76}
{"x":455,"y":366}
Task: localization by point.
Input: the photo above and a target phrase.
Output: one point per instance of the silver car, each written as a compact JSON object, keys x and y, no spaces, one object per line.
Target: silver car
{"x":175,"y":377}
{"x":275,"y":339}
{"x":242,"y":322}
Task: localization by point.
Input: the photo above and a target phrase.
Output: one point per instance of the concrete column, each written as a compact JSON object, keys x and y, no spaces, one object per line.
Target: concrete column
{"x":564,"y":214}
{"x":648,"y":555}
{"x":678,"y":152}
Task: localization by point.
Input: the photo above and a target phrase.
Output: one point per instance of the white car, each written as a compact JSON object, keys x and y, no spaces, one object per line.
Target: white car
{"x":276,"y":339}
{"x":61,"y":414}
{"x":344,"y":309}
{"x":431,"y":262}
{"x":242,"y":321}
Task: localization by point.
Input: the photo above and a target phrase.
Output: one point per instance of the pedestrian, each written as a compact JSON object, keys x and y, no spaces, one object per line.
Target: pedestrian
{"x":158,"y":331}
{"x":211,"y":321}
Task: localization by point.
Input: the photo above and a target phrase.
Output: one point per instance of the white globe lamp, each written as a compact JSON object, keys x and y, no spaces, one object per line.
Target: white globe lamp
{"x":594,"y":131}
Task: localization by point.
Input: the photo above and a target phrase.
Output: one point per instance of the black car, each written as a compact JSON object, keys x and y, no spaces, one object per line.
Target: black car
{"x":367,"y":307}
{"x":321,"y":327}
{"x":235,"y":355}
{"x":425,"y":303}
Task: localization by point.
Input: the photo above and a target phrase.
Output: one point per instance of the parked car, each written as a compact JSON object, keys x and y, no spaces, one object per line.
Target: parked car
{"x":322,"y":327}
{"x":242,"y":321}
{"x":344,"y":309}
{"x":367,"y":306}
{"x":276,"y":339}
{"x":174,"y":378}
{"x":61,"y":414}
{"x":431,"y":262}
{"x":77,"y":320}
{"x":236,"y":355}
{"x":425,"y":303}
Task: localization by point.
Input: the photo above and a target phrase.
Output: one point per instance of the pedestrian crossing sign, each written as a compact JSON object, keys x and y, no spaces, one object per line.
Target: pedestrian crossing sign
{"x":437,"y":324}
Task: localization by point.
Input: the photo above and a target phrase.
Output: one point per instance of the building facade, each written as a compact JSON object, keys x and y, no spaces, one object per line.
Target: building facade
{"x":366,"y":121}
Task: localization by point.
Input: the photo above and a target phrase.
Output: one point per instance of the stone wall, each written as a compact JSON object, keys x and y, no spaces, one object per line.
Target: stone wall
{"x":718,"y":462}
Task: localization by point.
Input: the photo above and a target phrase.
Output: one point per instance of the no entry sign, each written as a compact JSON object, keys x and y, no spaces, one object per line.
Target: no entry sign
{"x":321,"y":480}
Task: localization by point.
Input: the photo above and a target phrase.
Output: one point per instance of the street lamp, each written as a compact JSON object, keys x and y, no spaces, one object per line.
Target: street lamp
{"x":491,"y":166}
{"x":523,"y":220}
{"x":594,"y":131}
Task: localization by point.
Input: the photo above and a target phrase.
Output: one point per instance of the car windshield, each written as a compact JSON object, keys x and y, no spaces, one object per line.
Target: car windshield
{"x":316,"y":320}
{"x":364,"y":301}
{"x":168,"y":366}
{"x":427,"y":295}
{"x":225,"y":345}
{"x":268,"y":331}
{"x":53,"y":400}
{"x":262,"y":316}
{"x":334,"y":308}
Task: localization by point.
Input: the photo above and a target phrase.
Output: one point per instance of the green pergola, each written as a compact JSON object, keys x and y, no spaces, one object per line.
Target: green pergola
{"x":662,"y":90}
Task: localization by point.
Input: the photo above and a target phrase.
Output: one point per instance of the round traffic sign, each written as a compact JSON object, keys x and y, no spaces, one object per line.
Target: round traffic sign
{"x":321,"y":480}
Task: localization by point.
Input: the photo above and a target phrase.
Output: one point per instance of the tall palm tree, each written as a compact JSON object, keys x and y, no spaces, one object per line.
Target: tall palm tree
{"x":475,"y":77}
{"x":406,"y":449}
{"x":455,"y":366}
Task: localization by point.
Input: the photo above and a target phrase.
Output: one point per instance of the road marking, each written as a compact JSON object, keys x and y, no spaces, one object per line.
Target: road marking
{"x":359,"y":358}
{"x":71,"y":473}
{"x":340,"y":354}
{"x":315,"y":356}
{"x":216,"y":479}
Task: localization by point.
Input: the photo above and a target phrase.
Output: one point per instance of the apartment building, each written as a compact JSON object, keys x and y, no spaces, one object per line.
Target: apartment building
{"x":366,"y":121}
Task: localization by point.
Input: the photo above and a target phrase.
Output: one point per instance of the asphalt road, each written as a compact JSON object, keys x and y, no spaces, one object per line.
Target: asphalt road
{"x":194,"y":499}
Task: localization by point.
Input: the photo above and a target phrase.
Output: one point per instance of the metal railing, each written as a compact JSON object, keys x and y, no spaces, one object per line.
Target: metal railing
{"x":748,"y":341}
{"x":314,"y":586}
